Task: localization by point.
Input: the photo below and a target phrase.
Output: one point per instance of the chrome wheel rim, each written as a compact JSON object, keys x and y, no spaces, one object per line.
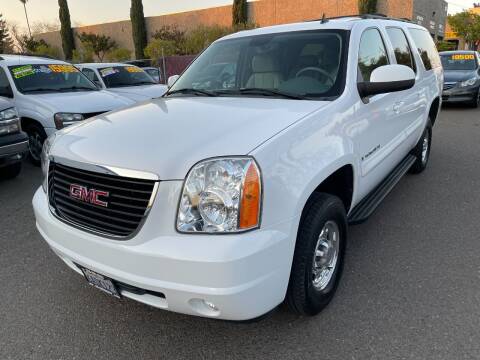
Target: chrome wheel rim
{"x":426,"y":144}
{"x":35,"y":145}
{"x":326,"y":255}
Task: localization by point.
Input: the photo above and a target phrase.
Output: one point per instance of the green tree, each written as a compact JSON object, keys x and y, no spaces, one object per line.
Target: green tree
{"x":6,"y":42}
{"x":367,"y":6}
{"x":172,"y":34}
{"x":467,"y":26}
{"x":239,"y":12}
{"x":139,"y":31}
{"x":68,"y":42}
{"x":98,"y":44}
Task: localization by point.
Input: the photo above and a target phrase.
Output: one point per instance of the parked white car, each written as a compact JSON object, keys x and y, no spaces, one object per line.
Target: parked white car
{"x":228,"y":196}
{"x":123,"y":79}
{"x":51,"y":94}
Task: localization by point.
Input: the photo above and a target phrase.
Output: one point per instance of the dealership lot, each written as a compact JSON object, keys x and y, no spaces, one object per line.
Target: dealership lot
{"x":411,"y":287}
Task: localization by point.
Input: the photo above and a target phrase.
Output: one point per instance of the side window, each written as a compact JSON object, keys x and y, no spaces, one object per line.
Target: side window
{"x":90,"y":74}
{"x":426,"y":48}
{"x":371,"y":54}
{"x":4,"y":83}
{"x":402,"y":50}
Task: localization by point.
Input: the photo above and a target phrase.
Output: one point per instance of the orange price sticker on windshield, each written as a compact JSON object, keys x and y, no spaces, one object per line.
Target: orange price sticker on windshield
{"x":63,"y":68}
{"x":463,"y":57}
{"x":133,"y":69}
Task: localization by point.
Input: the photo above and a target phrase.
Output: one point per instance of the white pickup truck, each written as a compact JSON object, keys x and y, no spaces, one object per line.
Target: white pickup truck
{"x":50,"y":95}
{"x":233,"y":193}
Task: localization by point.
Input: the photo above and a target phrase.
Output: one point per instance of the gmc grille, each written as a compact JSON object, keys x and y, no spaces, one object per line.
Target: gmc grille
{"x":127,"y":202}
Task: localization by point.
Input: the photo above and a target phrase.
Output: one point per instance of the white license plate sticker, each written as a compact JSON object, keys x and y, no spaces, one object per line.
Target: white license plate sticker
{"x":101,"y":282}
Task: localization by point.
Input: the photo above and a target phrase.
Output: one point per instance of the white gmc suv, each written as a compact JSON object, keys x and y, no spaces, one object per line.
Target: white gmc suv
{"x":232,"y":194}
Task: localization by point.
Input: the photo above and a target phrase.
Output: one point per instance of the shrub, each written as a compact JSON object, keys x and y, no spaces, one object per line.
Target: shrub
{"x":98,"y":44}
{"x":120,"y":54}
{"x":201,"y":37}
{"x":171,"y":33}
{"x":46,"y":50}
{"x":154,"y":49}
{"x":82,"y":55}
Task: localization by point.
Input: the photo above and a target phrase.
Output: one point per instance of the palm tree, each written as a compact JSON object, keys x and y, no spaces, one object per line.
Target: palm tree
{"x":24,"y":2}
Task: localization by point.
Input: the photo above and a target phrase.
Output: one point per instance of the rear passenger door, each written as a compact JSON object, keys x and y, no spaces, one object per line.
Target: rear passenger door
{"x":410,"y":105}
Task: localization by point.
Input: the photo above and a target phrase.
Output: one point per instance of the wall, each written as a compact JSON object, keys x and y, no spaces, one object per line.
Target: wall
{"x":261,"y":12}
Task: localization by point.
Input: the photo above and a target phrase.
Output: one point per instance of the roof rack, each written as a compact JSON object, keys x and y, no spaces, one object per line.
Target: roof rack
{"x":324,"y":19}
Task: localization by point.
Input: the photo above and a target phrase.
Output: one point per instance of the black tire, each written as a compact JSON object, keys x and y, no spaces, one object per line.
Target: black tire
{"x":303,"y":297}
{"x":36,"y":138}
{"x":10,"y":171}
{"x":421,"y":162}
{"x":475,"y":103}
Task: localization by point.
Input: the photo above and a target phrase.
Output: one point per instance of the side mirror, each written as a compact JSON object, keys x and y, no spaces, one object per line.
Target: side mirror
{"x":172,"y":80}
{"x":387,"y":79}
{"x":6,"y":91}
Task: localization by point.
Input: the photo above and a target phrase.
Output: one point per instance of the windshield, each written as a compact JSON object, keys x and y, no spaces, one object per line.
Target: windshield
{"x":50,"y":78}
{"x":120,"y":76}
{"x":459,"y":62}
{"x":306,"y":64}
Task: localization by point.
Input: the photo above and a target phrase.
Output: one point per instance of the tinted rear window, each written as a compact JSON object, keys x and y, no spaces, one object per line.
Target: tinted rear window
{"x":426,"y":48}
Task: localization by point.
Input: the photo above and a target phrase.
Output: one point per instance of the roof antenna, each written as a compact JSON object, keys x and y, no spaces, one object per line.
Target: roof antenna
{"x":324,"y":19}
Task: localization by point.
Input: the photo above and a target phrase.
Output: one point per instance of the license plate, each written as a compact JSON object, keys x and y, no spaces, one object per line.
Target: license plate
{"x":101,"y":282}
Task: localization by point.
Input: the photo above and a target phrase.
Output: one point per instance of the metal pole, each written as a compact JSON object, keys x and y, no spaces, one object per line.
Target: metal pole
{"x":26,"y":16}
{"x":165,"y":80}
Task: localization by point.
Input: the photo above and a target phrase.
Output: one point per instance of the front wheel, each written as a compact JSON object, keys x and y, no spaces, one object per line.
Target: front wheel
{"x":476,"y":100}
{"x":319,"y":253}
{"x":10,"y":171}
{"x":422,"y":150}
{"x":36,"y":138}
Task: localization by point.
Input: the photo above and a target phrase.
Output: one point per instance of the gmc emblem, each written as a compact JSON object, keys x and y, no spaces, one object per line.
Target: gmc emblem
{"x":91,"y":196}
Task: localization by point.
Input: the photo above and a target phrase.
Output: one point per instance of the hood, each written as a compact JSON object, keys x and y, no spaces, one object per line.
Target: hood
{"x":458,"y":75}
{"x":167,"y":136}
{"x":80,"y":102}
{"x":140,"y":93}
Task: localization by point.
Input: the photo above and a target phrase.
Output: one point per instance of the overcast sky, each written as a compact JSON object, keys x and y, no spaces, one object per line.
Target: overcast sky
{"x":87,"y":12}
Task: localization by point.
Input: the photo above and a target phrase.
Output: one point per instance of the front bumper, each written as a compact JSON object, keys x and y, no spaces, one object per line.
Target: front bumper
{"x":459,"y":95}
{"x":243,"y":275}
{"x":13,"y":148}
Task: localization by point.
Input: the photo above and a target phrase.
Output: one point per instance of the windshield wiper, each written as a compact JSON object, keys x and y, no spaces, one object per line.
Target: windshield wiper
{"x":267,"y":92}
{"x":192,"y":91}
{"x":76,"y":88}
{"x":39,"y":90}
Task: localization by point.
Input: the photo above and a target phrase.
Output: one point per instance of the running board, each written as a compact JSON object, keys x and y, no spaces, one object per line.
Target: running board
{"x":367,"y":206}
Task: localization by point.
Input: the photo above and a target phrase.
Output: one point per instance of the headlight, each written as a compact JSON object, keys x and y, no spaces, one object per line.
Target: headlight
{"x":47,"y":145}
{"x":9,"y":122}
{"x":64,"y":119}
{"x":221,"y":195}
{"x":468,"y":82}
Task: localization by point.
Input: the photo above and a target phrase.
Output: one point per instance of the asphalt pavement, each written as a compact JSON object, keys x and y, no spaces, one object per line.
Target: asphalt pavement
{"x":410,"y":290}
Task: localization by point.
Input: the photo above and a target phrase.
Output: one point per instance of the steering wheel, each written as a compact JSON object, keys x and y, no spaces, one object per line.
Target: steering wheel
{"x":321,"y":71}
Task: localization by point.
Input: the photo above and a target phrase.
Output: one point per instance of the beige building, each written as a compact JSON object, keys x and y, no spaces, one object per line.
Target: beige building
{"x":430,"y":13}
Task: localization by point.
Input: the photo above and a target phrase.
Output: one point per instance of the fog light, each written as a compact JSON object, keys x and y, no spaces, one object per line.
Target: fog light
{"x":210,"y":305}
{"x":204,"y":307}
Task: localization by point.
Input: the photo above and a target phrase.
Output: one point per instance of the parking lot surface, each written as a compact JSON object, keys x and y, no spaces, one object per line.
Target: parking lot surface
{"x":411,"y":286}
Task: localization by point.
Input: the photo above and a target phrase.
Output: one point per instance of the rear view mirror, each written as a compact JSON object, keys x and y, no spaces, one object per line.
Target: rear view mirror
{"x":6,"y":91}
{"x":172,"y":80}
{"x":386,"y":79}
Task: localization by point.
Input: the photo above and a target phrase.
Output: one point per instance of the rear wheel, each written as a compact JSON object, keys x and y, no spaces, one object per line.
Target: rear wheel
{"x":10,"y":171}
{"x":422,"y":150}
{"x":36,"y":138}
{"x":319,"y":253}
